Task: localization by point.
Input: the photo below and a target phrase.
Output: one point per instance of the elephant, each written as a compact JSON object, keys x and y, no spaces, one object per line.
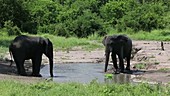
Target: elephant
{"x":118,"y":45}
{"x":25,"y":47}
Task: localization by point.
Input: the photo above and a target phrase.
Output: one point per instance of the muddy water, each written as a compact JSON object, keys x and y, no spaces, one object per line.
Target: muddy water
{"x":83,"y":73}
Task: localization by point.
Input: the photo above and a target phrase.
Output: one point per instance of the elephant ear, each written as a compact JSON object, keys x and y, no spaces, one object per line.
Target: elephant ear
{"x":47,"y":42}
{"x":103,"y":41}
{"x":44,"y":44}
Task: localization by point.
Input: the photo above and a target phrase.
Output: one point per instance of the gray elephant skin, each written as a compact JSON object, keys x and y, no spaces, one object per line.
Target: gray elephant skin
{"x":29,"y":47}
{"x":118,"y":45}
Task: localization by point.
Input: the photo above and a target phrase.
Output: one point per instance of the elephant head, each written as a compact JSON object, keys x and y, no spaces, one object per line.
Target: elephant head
{"x":48,"y":51}
{"x":110,"y":42}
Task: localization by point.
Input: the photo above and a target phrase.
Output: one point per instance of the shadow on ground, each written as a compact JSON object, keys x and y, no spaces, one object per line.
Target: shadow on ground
{"x":5,"y":67}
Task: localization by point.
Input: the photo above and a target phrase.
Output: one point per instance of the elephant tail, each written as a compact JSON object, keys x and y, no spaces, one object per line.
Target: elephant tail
{"x":10,"y":52}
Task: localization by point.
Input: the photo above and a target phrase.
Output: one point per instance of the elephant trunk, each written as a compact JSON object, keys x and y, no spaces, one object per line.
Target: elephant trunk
{"x":51,"y":66}
{"x":107,"y":54}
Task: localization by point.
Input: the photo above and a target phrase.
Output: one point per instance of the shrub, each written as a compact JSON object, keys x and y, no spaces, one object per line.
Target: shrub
{"x":11,"y":29}
{"x":145,"y":17}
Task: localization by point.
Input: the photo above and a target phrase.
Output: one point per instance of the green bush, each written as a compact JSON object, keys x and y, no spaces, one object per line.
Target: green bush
{"x":146,"y":17}
{"x":82,"y":18}
{"x":112,"y":11}
{"x":14,"y":11}
{"x":11,"y":29}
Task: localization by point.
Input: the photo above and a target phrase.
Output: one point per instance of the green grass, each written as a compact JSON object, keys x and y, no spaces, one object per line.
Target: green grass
{"x":4,"y":43}
{"x":140,"y":66}
{"x":158,"y":35}
{"x":13,"y":88}
{"x":164,"y":69}
{"x":3,"y":50}
{"x":90,"y":43}
{"x":63,"y":43}
{"x":59,"y":43}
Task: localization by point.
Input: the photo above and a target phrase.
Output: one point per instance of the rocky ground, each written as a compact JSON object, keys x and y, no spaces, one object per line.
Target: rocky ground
{"x":148,"y":56}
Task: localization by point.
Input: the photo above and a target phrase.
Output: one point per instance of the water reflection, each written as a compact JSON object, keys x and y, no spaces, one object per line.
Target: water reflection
{"x":83,"y":73}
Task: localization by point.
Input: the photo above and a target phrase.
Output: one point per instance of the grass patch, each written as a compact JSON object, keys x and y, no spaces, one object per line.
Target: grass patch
{"x":3,"y":50}
{"x":4,"y":43}
{"x":90,"y":43}
{"x":59,"y":43}
{"x":140,"y":66}
{"x":12,"y":88}
{"x":63,"y":43}
{"x":164,"y":69}
{"x":158,"y":35}
{"x":68,"y":43}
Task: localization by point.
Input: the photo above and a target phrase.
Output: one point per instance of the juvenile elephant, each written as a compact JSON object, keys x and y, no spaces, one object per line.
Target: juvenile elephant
{"x":119,"y":45}
{"x":28,"y":47}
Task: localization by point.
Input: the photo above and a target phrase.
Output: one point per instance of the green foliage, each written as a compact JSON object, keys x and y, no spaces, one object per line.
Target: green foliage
{"x":79,"y":20}
{"x":13,"y":88}
{"x":83,"y":18}
{"x":14,"y":11}
{"x":146,"y":17}
{"x":11,"y":29}
{"x":112,"y":11}
{"x":109,"y":76}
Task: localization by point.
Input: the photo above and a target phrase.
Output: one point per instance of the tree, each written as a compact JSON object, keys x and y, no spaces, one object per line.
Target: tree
{"x":15,"y":11}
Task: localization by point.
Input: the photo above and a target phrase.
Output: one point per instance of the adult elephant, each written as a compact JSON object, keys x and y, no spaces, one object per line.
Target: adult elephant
{"x":28,"y":47}
{"x":121,"y":46}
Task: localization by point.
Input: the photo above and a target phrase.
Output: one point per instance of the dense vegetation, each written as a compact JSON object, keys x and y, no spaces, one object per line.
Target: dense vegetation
{"x":75,"y":89}
{"x":81,"y":18}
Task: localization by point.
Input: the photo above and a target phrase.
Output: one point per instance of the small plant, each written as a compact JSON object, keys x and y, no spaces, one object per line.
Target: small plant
{"x":140,"y":66}
{"x":108,"y":76}
{"x":164,"y":69}
{"x":157,"y":63}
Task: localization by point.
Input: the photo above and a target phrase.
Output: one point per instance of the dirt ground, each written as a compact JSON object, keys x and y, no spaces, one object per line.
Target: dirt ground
{"x":148,"y":54}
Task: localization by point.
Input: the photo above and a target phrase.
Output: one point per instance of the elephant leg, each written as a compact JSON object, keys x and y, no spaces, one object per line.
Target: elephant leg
{"x":114,"y":61}
{"x":121,"y":63}
{"x":107,"y":60}
{"x":36,"y":66}
{"x":128,"y":62}
{"x":20,"y":67}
